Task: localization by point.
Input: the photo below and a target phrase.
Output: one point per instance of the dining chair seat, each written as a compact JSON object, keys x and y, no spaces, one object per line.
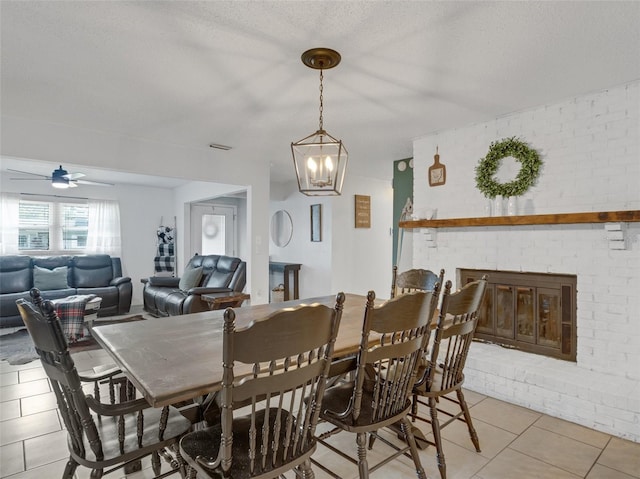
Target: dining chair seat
{"x":338,"y":398}
{"x":206,"y":443}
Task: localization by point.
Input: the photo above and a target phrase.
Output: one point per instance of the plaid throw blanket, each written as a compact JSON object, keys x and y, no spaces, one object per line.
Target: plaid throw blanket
{"x":70,"y":311}
{"x":165,"y":264}
{"x":166,"y":249}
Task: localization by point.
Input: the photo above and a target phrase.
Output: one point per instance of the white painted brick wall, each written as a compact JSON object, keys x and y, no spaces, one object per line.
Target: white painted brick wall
{"x":590,"y":147}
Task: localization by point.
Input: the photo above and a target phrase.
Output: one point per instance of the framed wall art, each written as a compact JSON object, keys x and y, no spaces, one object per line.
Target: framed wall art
{"x":362,"y":211}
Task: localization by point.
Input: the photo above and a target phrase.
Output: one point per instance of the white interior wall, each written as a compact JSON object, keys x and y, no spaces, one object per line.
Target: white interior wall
{"x":590,"y":146}
{"x":361,"y":257}
{"x":348,"y":259}
{"x":315,"y":257}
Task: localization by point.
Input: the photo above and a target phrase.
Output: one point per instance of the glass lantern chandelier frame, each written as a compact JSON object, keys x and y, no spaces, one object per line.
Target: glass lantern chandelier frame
{"x":320,"y":159}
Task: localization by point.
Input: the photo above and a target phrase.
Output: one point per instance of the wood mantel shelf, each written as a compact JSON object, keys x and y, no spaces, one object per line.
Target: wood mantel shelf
{"x":552,"y":219}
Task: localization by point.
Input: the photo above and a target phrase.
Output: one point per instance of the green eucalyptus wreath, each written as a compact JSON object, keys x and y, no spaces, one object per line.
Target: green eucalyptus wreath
{"x":489,"y":165}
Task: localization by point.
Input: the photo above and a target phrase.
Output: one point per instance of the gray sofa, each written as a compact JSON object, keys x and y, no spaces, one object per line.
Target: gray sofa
{"x":98,"y":274}
{"x":163,"y":296}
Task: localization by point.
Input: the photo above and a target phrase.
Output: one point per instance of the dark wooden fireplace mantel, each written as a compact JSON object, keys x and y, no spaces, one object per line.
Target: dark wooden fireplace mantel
{"x":549,"y":219}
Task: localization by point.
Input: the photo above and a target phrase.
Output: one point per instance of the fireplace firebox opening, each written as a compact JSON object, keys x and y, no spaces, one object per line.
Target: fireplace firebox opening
{"x":533,"y":312}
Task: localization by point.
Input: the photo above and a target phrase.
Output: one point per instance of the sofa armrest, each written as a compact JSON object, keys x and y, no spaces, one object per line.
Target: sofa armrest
{"x":167,"y":281}
{"x":119,"y":281}
{"x":200,"y":290}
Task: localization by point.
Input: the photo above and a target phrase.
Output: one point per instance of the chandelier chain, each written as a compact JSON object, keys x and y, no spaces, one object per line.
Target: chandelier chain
{"x":321,"y":106}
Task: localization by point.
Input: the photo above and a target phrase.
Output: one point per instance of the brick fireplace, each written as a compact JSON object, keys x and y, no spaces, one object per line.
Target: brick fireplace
{"x":590,"y":147}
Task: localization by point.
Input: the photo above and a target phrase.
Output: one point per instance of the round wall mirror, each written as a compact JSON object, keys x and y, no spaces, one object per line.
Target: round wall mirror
{"x":281,"y":228}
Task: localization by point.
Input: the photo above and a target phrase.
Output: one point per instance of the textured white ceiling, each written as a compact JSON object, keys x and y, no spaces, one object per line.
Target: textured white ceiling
{"x":192,"y":73}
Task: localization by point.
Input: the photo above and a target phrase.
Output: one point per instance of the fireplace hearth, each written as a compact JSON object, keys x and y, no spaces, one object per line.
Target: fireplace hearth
{"x":533,"y":312}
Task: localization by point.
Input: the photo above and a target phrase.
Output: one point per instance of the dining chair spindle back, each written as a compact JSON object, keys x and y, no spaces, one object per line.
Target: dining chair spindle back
{"x":444,"y":371}
{"x":414,"y":280}
{"x":101,"y":436}
{"x":274,"y":378}
{"x":394,"y":336}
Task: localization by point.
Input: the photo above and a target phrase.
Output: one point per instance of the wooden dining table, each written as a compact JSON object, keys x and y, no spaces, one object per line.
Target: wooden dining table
{"x":178,"y":358}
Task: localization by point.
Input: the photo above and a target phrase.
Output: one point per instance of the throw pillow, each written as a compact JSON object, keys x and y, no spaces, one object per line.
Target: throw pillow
{"x":190,"y":279}
{"x":47,"y":279}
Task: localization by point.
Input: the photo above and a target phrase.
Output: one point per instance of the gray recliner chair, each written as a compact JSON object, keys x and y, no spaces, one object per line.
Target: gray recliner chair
{"x":163,"y":296}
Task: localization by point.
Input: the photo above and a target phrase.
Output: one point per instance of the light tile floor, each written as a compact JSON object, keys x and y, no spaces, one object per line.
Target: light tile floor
{"x":516,"y":442}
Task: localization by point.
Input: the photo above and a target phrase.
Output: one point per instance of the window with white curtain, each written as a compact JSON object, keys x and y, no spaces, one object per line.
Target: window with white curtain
{"x":52,"y":227}
{"x":59,"y":227}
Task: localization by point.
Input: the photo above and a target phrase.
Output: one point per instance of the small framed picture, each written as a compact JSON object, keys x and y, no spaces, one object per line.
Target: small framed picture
{"x":362,"y":211}
{"x":316,"y":222}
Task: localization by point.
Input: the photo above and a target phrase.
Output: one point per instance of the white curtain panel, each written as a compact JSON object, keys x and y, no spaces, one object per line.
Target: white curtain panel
{"x":9,"y":214}
{"x":103,"y":236}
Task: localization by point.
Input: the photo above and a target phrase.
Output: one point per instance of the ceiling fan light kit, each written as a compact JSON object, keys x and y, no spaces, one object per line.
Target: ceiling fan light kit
{"x":320,"y":159}
{"x":60,"y":179}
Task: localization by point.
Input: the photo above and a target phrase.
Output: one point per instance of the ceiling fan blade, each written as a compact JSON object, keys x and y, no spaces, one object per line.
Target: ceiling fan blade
{"x":31,"y":179}
{"x":45,"y":177}
{"x":72,"y":184}
{"x":74,"y":176}
{"x":93,"y":183}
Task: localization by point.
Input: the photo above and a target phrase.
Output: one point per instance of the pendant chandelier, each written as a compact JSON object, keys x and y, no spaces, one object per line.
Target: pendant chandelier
{"x":320,"y":159}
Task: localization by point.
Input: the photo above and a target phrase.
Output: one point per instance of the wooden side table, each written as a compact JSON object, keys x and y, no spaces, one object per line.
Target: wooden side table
{"x":225,"y":300}
{"x":288,"y":269}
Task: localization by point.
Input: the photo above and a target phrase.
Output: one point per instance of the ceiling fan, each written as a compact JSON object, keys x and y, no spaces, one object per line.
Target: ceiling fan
{"x":60,"y":178}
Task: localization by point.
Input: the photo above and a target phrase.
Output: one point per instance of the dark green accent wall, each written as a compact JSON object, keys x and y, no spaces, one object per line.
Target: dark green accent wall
{"x":402,"y":189}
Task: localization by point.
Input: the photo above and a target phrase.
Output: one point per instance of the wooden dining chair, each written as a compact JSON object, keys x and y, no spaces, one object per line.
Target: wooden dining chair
{"x":414,"y":280}
{"x":275,"y":372}
{"x":443,"y":374}
{"x":394,"y":336}
{"x":102,"y":436}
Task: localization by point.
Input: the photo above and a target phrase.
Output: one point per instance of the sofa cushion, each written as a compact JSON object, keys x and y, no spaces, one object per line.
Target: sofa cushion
{"x":209,"y":263}
{"x":53,"y":262}
{"x":92,"y":271}
{"x":47,"y":279}
{"x":222,"y":275}
{"x":190,"y":278}
{"x":15,"y":274}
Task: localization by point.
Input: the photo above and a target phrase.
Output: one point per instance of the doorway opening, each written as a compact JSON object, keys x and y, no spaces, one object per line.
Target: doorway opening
{"x":214,"y":228}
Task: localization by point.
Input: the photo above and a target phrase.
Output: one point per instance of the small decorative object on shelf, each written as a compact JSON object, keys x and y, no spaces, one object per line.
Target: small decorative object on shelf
{"x":437,"y":171}
{"x":487,"y":208}
{"x":512,"y":206}
{"x":490,"y":164}
{"x":498,"y":204}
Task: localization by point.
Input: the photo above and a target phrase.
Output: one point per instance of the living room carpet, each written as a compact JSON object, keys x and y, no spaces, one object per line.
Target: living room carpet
{"x":17,"y":348}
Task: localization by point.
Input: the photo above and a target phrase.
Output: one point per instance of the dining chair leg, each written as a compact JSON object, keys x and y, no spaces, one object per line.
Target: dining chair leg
{"x":96,"y":473}
{"x":155,"y":463}
{"x":305,"y":470}
{"x":435,"y":426}
{"x":69,"y":469}
{"x":191,"y":473}
{"x":407,"y":430}
{"x":363,"y":465}
{"x":182,"y":465}
{"x":467,"y":417}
